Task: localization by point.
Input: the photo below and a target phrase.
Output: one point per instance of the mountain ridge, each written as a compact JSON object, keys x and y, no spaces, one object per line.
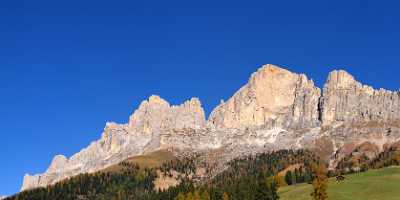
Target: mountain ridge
{"x":276,"y":109}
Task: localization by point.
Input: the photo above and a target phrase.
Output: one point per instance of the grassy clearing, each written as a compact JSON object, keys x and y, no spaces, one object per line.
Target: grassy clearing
{"x":382,"y":184}
{"x":151,"y":160}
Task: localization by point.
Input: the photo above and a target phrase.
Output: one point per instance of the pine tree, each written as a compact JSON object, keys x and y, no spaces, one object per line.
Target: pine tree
{"x":289,"y":178}
{"x":262,"y":192}
{"x":308,"y":177}
{"x":296,"y":176}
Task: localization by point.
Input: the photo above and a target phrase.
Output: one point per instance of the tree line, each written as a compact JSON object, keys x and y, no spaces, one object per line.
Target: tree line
{"x":254,"y":177}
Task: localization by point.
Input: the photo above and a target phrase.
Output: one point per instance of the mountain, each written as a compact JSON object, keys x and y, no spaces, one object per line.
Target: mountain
{"x":276,"y":109}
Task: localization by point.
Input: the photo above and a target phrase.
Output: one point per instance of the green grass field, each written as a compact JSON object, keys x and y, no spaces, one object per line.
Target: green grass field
{"x":382,"y":184}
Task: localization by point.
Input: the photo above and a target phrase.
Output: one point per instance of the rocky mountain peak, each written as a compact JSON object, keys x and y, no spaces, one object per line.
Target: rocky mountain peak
{"x":156,"y":100}
{"x":273,"y":97}
{"x":58,"y":162}
{"x":190,"y":114}
{"x":156,"y":114}
{"x":271,"y":69}
{"x":340,"y":79}
{"x":150,"y":114}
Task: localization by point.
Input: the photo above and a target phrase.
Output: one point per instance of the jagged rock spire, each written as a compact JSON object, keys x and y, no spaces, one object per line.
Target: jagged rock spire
{"x":58,"y":162}
{"x":156,"y":114}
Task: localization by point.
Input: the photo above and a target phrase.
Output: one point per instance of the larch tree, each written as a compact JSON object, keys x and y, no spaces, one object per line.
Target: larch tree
{"x":320,"y":183}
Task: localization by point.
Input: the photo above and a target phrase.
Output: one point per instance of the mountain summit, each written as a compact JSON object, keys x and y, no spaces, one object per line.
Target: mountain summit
{"x":273,"y":96}
{"x":276,"y":109}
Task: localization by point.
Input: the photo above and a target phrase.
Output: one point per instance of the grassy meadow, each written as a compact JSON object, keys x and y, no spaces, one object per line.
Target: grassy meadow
{"x":381,"y":184}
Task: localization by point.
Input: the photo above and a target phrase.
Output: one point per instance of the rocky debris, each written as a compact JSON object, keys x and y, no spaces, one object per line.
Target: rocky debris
{"x":369,"y":149}
{"x":359,"y":157}
{"x":350,"y":136}
{"x":276,"y":109}
{"x":273,"y":97}
{"x":163,"y":182}
{"x":323,"y":147}
{"x":393,"y":146}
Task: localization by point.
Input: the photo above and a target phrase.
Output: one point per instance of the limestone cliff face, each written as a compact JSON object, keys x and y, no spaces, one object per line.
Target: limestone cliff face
{"x":156,"y":114}
{"x":120,"y":141}
{"x":116,"y":142}
{"x":58,"y":162}
{"x":276,"y":109}
{"x":273,"y":97}
{"x":346,"y":100}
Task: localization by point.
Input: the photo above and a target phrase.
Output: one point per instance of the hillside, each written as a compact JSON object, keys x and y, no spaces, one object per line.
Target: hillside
{"x":248,"y":177}
{"x":382,"y":184}
{"x":152,"y":160}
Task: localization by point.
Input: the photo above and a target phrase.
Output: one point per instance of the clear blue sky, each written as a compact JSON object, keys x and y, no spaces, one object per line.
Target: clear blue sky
{"x":67,"y":67}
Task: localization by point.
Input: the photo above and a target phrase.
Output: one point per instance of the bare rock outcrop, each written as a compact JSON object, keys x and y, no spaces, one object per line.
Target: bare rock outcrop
{"x":121,"y":141}
{"x":156,"y":114}
{"x":346,"y":100}
{"x":58,"y":162}
{"x":273,"y":97}
{"x":116,"y":143}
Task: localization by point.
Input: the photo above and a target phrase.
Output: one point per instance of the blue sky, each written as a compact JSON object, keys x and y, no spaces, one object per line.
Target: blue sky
{"x":67,"y":67}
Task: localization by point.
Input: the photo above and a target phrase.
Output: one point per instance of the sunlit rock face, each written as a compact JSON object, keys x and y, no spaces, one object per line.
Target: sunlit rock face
{"x":156,"y":115}
{"x":276,"y":109}
{"x":117,"y":142}
{"x":121,"y":141}
{"x":346,"y":100}
{"x":273,"y":97}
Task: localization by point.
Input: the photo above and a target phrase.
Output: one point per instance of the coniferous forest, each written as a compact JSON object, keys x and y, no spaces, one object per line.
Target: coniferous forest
{"x":350,"y":163}
{"x":249,"y":178}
